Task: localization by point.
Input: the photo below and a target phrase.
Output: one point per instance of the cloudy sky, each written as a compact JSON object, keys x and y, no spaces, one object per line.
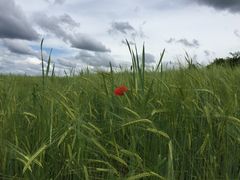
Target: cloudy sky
{"x":92,"y":33}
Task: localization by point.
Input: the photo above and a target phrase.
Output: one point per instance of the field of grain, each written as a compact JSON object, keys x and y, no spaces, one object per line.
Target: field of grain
{"x":176,"y":124}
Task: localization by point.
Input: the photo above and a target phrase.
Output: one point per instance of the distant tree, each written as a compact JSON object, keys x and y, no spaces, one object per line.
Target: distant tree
{"x":232,"y":61}
{"x":235,"y":59}
{"x":235,"y":54}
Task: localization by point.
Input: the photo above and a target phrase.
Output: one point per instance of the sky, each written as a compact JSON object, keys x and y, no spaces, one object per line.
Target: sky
{"x":91,"y":33}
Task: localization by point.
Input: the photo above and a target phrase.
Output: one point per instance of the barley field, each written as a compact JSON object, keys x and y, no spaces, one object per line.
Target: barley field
{"x":176,"y":124}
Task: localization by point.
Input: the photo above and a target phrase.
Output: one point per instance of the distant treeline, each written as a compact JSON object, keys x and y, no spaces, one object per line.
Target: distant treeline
{"x":232,"y":61}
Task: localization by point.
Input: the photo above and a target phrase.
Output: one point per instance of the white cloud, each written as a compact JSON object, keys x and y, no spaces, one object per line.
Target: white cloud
{"x":73,"y":27}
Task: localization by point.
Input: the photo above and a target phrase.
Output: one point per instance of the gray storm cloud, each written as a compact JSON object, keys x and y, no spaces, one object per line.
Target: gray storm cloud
{"x":66,"y":63}
{"x":125,"y":43}
{"x":66,"y":19}
{"x":81,"y":41}
{"x":122,"y":27}
{"x":96,"y":59}
{"x":18,"y":47}
{"x":13,"y":23}
{"x":56,"y":1}
{"x":187,"y":43}
{"x":55,"y":25}
{"x":231,"y":5}
{"x":59,"y":1}
{"x":192,"y":44}
{"x":207,"y":53}
{"x":236,"y":33}
{"x":125,"y":28}
{"x":149,"y":58}
{"x":171,"y":40}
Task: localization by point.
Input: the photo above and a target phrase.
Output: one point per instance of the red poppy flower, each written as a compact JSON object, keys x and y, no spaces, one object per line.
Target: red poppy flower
{"x":119,"y":91}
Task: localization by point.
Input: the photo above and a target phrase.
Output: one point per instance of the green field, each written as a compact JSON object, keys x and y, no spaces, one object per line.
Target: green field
{"x":176,"y":124}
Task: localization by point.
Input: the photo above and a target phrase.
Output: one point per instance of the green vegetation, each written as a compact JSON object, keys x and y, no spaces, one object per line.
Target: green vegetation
{"x":233,"y":61}
{"x":177,"y":124}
